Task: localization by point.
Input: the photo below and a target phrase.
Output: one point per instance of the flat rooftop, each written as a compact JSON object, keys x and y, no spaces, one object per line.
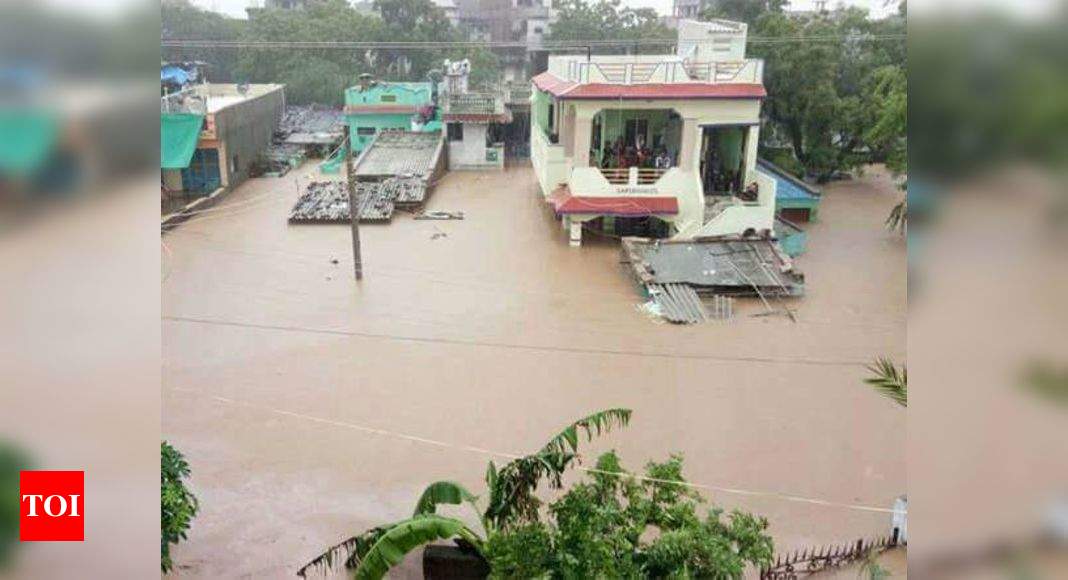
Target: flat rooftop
{"x":221,"y":96}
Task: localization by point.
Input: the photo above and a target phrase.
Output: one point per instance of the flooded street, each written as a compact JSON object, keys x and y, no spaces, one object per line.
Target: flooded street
{"x":311,"y":407}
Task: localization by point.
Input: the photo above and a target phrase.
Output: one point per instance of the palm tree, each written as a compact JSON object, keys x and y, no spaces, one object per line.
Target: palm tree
{"x":888,"y":380}
{"x":511,"y":502}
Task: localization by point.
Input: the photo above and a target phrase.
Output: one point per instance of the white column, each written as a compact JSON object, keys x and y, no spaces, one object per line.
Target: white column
{"x":576,"y":233}
{"x":752,"y":140}
{"x":688,"y":148}
{"x":583,"y":130}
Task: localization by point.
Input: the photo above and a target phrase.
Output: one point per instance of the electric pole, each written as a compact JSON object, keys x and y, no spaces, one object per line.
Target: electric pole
{"x":354,"y":209}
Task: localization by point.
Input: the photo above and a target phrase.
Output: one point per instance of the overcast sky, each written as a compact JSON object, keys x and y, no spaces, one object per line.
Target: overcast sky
{"x":237,"y":7}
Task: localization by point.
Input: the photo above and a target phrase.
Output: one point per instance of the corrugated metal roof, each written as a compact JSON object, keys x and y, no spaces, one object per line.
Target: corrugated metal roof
{"x":788,"y":187}
{"x":400,"y":153}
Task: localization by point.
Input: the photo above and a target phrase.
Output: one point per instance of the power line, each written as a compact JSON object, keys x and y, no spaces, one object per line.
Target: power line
{"x":516,"y":346}
{"x":548,"y":45}
{"x":513,"y":456}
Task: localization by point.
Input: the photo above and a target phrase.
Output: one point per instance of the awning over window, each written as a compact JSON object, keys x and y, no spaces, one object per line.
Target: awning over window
{"x":178,"y":136}
{"x":623,"y":206}
{"x":26,"y":140}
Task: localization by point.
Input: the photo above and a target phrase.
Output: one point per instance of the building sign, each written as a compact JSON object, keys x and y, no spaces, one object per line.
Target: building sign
{"x":637,"y":189}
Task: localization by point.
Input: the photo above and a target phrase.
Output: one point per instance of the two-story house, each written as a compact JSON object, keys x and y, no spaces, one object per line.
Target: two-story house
{"x":662,"y":145}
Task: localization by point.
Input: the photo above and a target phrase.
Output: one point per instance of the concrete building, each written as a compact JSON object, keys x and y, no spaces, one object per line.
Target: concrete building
{"x":473,"y":121}
{"x":373,"y":106}
{"x":210,"y":134}
{"x":525,"y":21}
{"x":661,"y":145}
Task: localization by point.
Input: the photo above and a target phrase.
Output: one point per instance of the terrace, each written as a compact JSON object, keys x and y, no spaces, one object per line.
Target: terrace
{"x":655,"y":69}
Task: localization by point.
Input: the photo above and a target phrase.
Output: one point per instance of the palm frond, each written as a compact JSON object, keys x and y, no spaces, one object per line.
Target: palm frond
{"x":405,"y":536}
{"x":595,"y":424}
{"x":349,"y":552}
{"x":888,"y":380}
{"x":899,"y":217}
{"x":441,"y":492}
{"x":512,"y":488}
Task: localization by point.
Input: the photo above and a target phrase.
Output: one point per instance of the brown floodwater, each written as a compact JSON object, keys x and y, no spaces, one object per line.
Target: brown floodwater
{"x":491,"y":332}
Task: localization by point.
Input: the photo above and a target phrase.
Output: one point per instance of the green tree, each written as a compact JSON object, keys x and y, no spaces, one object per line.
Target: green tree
{"x":595,"y":530}
{"x":618,"y":526}
{"x":748,"y":11}
{"x":178,"y":505}
{"x":821,"y":74}
{"x":512,"y":502}
{"x":181,"y":20}
{"x":607,"y":19}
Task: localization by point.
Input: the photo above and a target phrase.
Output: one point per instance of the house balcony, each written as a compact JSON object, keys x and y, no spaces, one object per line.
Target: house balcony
{"x":656,"y":69}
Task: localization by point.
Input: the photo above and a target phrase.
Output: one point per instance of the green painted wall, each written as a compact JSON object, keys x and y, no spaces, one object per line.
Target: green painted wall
{"x":614,"y":123}
{"x":377,"y":122}
{"x":385,"y":94}
{"x":540,"y":110}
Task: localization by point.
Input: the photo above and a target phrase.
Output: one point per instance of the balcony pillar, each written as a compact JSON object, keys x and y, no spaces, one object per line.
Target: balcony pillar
{"x":752,"y":140}
{"x":689,"y":146}
{"x":583,"y":130}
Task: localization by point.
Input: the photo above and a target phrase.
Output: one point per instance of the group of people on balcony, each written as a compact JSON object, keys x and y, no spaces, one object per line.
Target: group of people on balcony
{"x":620,"y":155}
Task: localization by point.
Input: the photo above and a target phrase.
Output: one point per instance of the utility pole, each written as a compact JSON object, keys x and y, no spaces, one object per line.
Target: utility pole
{"x":354,"y":209}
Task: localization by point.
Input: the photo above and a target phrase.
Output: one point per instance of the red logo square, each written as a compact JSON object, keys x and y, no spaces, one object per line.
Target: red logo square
{"x":52,"y":506}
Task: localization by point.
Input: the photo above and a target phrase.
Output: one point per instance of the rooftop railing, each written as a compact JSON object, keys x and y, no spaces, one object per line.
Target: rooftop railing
{"x":474,"y":104}
{"x":184,"y":101}
{"x":668,"y":71}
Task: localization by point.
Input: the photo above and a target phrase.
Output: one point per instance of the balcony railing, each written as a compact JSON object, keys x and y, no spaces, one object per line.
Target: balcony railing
{"x":668,"y":71}
{"x":632,"y":175}
{"x":474,"y":104}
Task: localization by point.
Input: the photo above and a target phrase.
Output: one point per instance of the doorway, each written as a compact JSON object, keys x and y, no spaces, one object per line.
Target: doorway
{"x":723,"y":150}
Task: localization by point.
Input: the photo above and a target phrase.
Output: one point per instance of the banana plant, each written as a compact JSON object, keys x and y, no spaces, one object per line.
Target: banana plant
{"x":512,"y":500}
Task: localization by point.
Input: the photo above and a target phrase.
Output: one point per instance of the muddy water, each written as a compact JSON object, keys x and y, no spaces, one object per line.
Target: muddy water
{"x":491,"y":332}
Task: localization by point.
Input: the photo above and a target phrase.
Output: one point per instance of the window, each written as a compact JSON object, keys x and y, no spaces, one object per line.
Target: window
{"x":233,"y":165}
{"x":456,"y":131}
{"x":552,"y":117}
{"x":537,"y":30}
{"x":387,"y":99}
{"x":365,"y":131}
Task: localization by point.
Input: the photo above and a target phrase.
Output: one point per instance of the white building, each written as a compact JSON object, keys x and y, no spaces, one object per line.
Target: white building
{"x":472,"y":121}
{"x":664,"y":144}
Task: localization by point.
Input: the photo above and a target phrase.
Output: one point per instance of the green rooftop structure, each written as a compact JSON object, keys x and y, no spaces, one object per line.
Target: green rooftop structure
{"x":373,"y":106}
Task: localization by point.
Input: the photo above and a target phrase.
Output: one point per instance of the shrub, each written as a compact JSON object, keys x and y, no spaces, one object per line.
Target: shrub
{"x":177,"y":504}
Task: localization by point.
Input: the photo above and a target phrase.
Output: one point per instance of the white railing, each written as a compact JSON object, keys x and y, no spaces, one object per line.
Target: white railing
{"x":632,"y":175}
{"x":185,"y":101}
{"x":474,"y":103}
{"x":667,"y":71}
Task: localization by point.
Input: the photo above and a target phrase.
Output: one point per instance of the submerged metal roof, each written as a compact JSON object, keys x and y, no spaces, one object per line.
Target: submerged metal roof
{"x":726,"y":265}
{"x":400,"y":153}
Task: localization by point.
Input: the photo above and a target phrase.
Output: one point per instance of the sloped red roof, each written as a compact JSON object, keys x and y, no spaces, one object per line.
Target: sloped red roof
{"x":568,"y":90}
{"x":625,"y":206}
{"x":550,"y":83}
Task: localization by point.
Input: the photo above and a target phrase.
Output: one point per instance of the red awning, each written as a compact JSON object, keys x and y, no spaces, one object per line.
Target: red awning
{"x":568,"y":90}
{"x":624,"y":206}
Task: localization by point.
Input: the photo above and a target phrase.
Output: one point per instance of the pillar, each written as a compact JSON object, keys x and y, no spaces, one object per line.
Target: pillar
{"x":576,"y":233}
{"x":583,"y":133}
{"x":688,"y":147}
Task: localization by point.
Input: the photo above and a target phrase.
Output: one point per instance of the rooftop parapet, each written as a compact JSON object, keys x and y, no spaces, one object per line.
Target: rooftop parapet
{"x":630,"y":70}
